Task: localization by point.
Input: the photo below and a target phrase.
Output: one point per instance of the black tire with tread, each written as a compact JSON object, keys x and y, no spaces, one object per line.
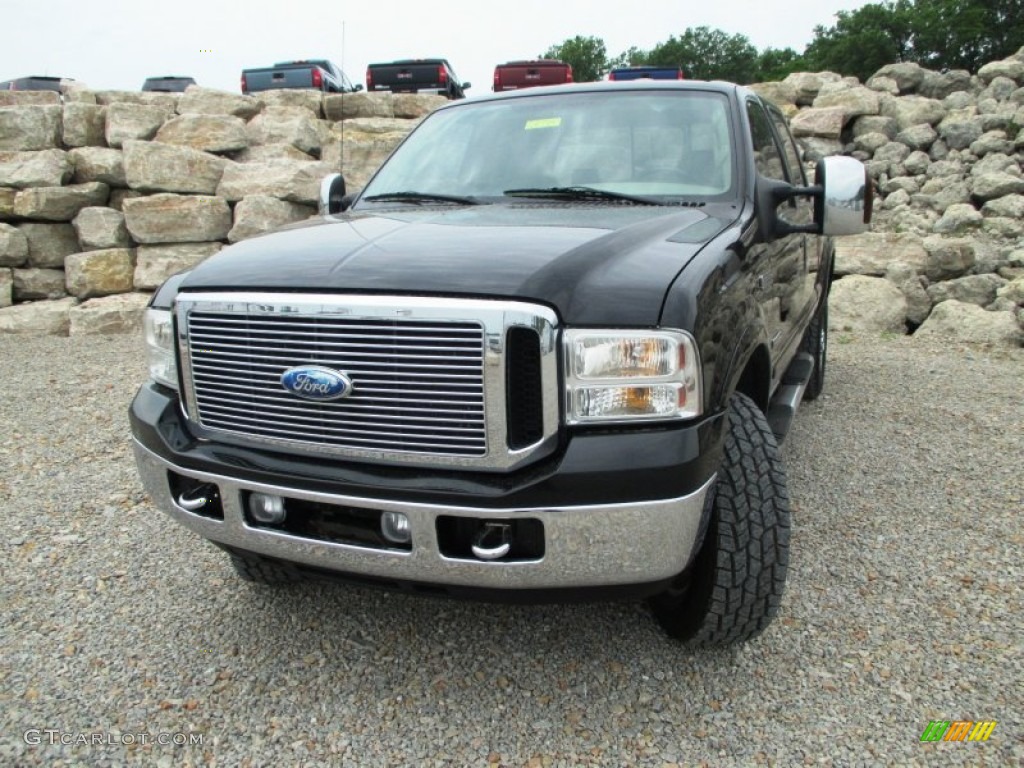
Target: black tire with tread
{"x":260,"y":570}
{"x":735,"y":584}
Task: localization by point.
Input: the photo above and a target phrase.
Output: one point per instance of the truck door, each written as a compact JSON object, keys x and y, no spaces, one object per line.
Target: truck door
{"x":784,"y":289}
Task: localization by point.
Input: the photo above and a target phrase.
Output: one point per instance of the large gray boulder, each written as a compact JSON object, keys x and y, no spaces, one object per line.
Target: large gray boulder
{"x":1011,"y":206}
{"x":941,"y":85}
{"x":39,"y":317}
{"x":27,"y":98}
{"x":99,"y":228}
{"x":150,"y":166}
{"x":870,"y":253}
{"x":286,"y":125}
{"x":350,"y":105}
{"x":281,"y":97}
{"x":59,"y":203}
{"x":6,"y":288}
{"x":31,"y":284}
{"x":122,"y":313}
{"x":99,"y":273}
{"x":295,"y":182}
{"x":167,"y":218}
{"x":98,"y":164}
{"x":853,"y":101}
{"x":43,"y":168}
{"x":257,"y":214}
{"x":958,"y":219}
{"x":960,"y":322}
{"x":806,"y":85}
{"x":49,"y":244}
{"x":155,"y":263}
{"x":13,"y":246}
{"x":28,"y":128}
{"x":7,"y":196}
{"x":413,"y":106}
{"x":826,"y":122}
{"x":207,"y":101}
{"x":265,"y":153}
{"x":867,"y":305}
{"x":1012,"y":69}
{"x":128,"y":122}
{"x":166,"y":101}
{"x":972,"y":289}
{"x":207,"y":133}
{"x":85,"y":125}
{"x":913,"y":110}
{"x":913,"y":286}
{"x":948,"y":257}
{"x":907,"y":75}
{"x":990,"y":186}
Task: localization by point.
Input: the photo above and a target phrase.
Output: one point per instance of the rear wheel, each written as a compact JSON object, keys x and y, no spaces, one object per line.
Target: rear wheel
{"x":815,"y":343}
{"x":734,"y":586}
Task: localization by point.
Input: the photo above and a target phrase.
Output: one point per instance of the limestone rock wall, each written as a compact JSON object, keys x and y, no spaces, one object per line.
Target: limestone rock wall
{"x":107,"y":193}
{"x":104,"y":195}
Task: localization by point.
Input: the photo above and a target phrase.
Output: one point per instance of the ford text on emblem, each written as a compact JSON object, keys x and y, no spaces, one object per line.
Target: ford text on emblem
{"x":315,"y":383}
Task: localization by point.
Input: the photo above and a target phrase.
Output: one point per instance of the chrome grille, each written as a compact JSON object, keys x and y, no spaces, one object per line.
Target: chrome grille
{"x":428,"y":378}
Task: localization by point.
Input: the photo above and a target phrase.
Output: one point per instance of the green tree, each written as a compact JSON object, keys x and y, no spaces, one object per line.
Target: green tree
{"x":966,"y":34}
{"x":773,"y":64}
{"x":586,"y":55}
{"x":633,"y":57}
{"x":708,"y":54}
{"x":864,"y":40}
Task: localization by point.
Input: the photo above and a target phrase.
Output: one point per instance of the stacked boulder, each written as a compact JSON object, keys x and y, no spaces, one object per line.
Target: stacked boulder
{"x":103,"y":195}
{"x":945,"y":258}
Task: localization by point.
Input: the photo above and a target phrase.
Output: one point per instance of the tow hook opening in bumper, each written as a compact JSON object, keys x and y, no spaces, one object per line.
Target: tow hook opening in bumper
{"x":474,"y":538}
{"x":196,"y":496}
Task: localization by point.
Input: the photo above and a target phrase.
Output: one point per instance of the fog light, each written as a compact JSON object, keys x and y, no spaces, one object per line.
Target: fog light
{"x":394,"y":526}
{"x":266,"y":508}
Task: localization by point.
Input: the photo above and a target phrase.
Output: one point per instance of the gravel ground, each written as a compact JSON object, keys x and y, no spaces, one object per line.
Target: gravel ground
{"x":904,"y":605}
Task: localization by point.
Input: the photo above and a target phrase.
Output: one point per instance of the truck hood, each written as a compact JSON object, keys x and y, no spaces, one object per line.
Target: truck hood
{"x":595,"y":264}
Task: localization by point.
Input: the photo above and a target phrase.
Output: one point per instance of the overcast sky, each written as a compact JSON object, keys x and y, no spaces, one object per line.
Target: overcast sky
{"x":116,"y":44}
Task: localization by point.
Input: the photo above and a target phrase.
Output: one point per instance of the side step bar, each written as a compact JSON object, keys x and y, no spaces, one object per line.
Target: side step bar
{"x":782,"y":409}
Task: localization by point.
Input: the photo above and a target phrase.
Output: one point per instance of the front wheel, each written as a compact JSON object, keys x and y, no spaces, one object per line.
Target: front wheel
{"x":734,"y":586}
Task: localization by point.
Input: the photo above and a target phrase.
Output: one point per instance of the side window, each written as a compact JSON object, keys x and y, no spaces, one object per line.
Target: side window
{"x":767,"y":156}
{"x":789,"y":149}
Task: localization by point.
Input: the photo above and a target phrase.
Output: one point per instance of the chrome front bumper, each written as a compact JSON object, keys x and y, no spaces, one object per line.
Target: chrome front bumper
{"x":585,"y":546}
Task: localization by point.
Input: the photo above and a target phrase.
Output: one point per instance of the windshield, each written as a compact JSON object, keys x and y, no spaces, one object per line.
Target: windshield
{"x":664,"y":144}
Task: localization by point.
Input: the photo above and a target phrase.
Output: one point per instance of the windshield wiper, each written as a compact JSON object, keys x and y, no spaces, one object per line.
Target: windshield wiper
{"x":421,"y":197}
{"x":581,"y":193}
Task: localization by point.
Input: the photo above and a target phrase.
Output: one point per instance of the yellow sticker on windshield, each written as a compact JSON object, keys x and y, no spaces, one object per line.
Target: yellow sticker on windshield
{"x":546,"y":122}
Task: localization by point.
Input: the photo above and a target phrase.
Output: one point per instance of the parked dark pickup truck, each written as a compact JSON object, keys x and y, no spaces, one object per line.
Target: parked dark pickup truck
{"x":516,"y":75}
{"x":546,"y":353}
{"x":318,"y":74}
{"x":168,"y":83}
{"x":416,"y":76}
{"x":646,"y":73}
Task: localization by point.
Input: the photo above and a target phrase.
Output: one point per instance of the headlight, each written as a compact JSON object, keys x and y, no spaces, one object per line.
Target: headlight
{"x":625,"y":376}
{"x":159,"y":325}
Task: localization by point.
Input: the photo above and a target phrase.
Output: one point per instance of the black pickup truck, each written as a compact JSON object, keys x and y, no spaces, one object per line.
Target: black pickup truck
{"x":314,"y":74}
{"x":416,"y":76}
{"x":545,"y":354}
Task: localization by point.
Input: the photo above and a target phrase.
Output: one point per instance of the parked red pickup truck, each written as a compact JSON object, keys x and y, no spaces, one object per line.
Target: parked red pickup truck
{"x":516,"y":75}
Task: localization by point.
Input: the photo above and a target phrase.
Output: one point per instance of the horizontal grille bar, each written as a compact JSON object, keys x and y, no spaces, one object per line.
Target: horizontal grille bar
{"x":417,"y":385}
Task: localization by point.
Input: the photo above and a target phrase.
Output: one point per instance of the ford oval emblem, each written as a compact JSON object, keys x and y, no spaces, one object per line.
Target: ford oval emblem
{"x":315,"y":383}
